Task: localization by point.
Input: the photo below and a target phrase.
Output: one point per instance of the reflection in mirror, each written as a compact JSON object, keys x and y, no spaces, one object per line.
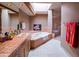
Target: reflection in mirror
{"x":8,"y":19}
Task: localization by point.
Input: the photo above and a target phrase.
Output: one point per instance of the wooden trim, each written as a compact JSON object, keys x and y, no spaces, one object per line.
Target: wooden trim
{"x":28,"y":5}
{"x":8,"y":8}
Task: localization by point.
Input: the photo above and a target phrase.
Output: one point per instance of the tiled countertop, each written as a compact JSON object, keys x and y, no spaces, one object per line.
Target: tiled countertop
{"x":6,"y":48}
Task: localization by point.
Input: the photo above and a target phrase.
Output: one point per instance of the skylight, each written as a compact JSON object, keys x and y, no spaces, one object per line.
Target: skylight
{"x":40,"y":6}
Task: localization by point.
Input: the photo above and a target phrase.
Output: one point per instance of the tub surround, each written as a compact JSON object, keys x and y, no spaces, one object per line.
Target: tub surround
{"x":39,"y":38}
{"x":18,"y":46}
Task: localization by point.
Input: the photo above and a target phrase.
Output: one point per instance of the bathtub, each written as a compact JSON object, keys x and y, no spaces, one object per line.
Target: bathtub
{"x":39,"y":38}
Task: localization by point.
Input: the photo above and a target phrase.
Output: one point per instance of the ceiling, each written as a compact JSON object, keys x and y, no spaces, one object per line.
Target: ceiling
{"x":43,"y":7}
{"x":40,"y":8}
{"x":55,"y":5}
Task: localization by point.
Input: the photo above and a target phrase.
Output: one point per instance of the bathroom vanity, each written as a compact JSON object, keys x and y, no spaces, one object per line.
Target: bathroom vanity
{"x":19,"y":46}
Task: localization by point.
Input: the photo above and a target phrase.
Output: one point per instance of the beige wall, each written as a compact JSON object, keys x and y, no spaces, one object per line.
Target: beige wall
{"x":69,"y":12}
{"x":14,"y":20}
{"x":17,"y":18}
{"x":56,"y":19}
{"x":25,"y":19}
{"x":39,"y":19}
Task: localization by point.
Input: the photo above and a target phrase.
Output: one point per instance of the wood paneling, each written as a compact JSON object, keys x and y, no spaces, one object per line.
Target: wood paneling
{"x":0,"y":20}
{"x":10,"y":6}
{"x":57,"y":20}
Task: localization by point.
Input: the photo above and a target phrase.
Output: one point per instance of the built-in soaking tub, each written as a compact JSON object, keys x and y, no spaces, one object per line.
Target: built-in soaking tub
{"x":39,"y":38}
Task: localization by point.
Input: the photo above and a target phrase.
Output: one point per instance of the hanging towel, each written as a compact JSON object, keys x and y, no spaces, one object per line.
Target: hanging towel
{"x":67,"y":32}
{"x":73,"y":34}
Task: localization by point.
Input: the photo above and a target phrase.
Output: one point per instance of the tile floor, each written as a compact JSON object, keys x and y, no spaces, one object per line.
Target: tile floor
{"x":52,"y":48}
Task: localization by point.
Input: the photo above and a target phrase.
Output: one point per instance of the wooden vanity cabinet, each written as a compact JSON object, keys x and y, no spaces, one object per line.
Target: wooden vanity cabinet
{"x":22,"y":50}
{"x":18,"y":47}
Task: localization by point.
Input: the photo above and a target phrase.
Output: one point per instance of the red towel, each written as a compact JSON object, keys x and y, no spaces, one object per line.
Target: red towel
{"x":72,"y":34}
{"x":67,"y":32}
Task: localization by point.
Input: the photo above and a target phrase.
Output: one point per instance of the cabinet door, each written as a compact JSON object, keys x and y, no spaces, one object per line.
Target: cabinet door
{"x":27,"y":47}
{"x":14,"y":54}
{"x":21,"y":51}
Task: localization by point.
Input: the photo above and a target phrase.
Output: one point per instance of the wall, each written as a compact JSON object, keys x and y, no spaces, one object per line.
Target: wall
{"x":39,"y":19}
{"x":50,"y":20}
{"x":25,"y":19}
{"x":56,"y":20}
{"x":69,"y":13}
{"x":14,"y":20}
{"x":56,"y":25}
{"x":17,"y":18}
{"x":5,"y":20}
{"x":55,"y":15}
